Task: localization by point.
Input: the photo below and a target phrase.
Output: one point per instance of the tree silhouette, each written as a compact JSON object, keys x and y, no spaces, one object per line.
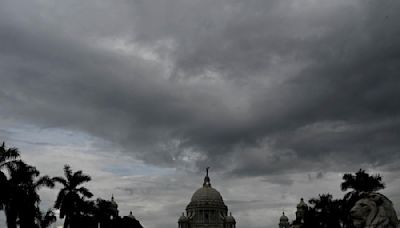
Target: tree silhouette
{"x":106,"y":211}
{"x":326,"y":212}
{"x":7,"y":158}
{"x":362,"y":182}
{"x":71,"y":195}
{"x":23,"y":202}
{"x":7,"y":155}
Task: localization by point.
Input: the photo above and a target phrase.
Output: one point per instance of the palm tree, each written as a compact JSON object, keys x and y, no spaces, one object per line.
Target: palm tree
{"x":362,"y":182}
{"x":71,"y":195}
{"x":7,"y":158}
{"x":7,"y":155}
{"x":23,"y":203}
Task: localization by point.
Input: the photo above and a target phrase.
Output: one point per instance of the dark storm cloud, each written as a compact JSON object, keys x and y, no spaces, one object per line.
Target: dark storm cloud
{"x":255,"y":88}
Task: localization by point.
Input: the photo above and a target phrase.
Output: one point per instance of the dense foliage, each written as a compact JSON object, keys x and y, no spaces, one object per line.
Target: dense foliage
{"x":19,"y":198}
{"x":324,"y":211}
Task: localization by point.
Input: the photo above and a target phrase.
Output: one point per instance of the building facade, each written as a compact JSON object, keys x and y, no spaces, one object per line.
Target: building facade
{"x":302,"y":208}
{"x":206,"y":209}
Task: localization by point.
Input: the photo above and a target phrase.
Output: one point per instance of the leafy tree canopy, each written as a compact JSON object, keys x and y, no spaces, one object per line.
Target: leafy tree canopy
{"x":362,"y":182}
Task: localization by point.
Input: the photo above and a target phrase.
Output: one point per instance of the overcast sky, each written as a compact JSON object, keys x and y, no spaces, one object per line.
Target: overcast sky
{"x":278,"y":97}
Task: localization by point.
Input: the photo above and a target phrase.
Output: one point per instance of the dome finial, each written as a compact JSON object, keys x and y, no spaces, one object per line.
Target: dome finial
{"x":207,"y":182}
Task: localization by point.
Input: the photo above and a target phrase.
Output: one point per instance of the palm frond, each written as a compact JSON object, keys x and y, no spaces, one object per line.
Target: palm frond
{"x":81,"y":178}
{"x":61,"y":180}
{"x":7,"y":155}
{"x":44,"y":181}
{"x":85,"y":192}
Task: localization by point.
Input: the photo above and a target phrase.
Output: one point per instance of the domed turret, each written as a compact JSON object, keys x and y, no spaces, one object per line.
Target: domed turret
{"x":183,"y":218}
{"x":114,"y":206}
{"x":302,"y":204}
{"x":131,"y":215}
{"x":284,"y":221}
{"x":183,"y":221}
{"x":302,"y":207}
{"x":284,"y":218}
{"x":230,"y":219}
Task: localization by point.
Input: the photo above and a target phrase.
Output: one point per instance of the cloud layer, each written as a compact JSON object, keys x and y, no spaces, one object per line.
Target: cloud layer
{"x":255,"y":89}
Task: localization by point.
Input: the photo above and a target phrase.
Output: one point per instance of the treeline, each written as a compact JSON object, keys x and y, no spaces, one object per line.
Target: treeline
{"x":325,"y":211}
{"x":20,"y":201}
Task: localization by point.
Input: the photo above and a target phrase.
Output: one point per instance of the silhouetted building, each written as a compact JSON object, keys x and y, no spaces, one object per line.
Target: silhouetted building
{"x":114,"y":207}
{"x":284,"y":221}
{"x":106,"y":215}
{"x":129,"y":222}
{"x":207,"y":209}
{"x":302,"y":208}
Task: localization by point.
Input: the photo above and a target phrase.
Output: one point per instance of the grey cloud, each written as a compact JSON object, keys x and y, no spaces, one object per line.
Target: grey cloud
{"x":279,"y":180}
{"x":252,"y":89}
{"x":158,"y":199}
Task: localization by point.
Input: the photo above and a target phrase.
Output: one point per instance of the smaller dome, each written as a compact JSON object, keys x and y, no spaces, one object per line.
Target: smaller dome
{"x":115,"y":205}
{"x":302,"y":204}
{"x":183,"y":218}
{"x":230,"y":219}
{"x":284,"y":218}
{"x":131,"y":215}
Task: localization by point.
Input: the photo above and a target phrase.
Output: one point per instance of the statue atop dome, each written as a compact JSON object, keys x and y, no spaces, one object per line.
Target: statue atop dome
{"x":207,"y":182}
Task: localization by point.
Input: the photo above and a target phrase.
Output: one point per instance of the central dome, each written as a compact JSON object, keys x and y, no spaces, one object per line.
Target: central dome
{"x":207,"y":193}
{"x":206,"y":209}
{"x":207,"y":197}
